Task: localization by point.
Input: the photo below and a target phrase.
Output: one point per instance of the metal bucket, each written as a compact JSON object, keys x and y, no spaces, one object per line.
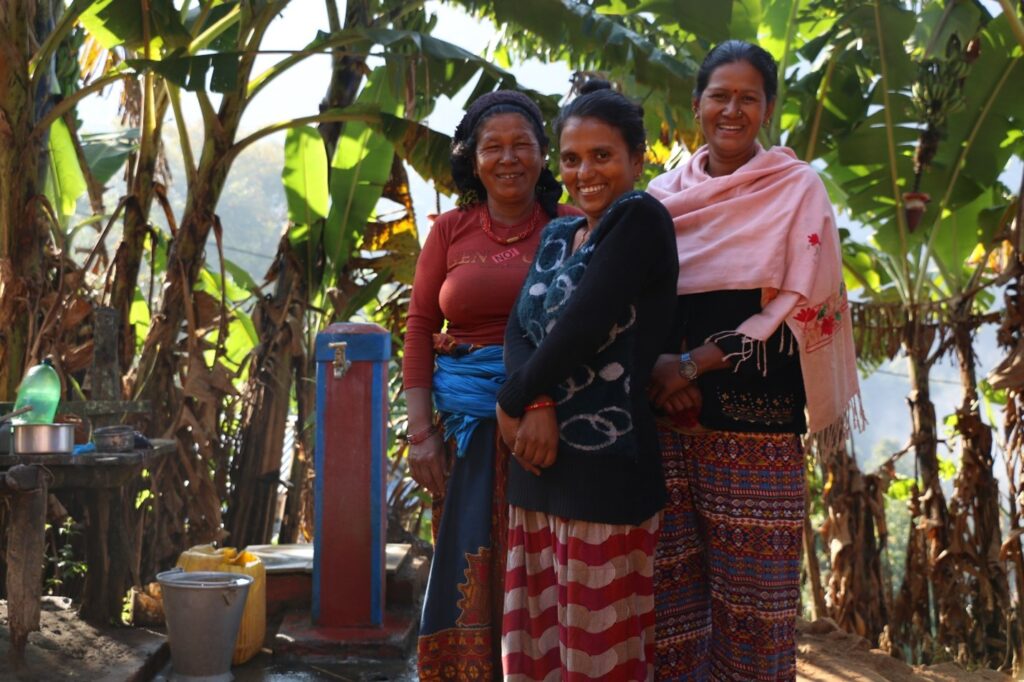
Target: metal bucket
{"x":204,"y":611}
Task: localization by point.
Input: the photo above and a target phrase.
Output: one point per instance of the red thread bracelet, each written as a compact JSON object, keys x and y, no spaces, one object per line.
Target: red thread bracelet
{"x":420,"y":436}
{"x":539,"y":404}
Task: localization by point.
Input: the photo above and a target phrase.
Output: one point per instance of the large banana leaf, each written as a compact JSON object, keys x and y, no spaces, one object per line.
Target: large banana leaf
{"x":828,"y":102}
{"x":873,"y":162}
{"x":587,"y":38}
{"x":120,"y":22}
{"x":106,"y":152}
{"x":982,"y":136}
{"x":64,"y":179}
{"x":305,"y":176}
{"x":305,"y":184}
{"x":216,"y":71}
{"x":426,"y":150}
{"x":960,"y":231}
{"x":359,"y":171}
{"x":709,"y":20}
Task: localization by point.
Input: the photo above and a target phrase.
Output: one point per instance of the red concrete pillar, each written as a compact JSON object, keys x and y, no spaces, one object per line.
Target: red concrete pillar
{"x":350,"y":505}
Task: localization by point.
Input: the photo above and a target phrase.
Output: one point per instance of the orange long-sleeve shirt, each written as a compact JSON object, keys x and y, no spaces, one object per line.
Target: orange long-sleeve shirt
{"x":464,"y":278}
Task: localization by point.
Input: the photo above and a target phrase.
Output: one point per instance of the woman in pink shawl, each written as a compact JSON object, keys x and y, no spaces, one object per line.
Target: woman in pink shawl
{"x":767,"y":356}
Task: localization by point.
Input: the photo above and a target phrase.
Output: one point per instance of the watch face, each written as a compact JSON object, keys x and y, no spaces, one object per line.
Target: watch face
{"x":687,"y":367}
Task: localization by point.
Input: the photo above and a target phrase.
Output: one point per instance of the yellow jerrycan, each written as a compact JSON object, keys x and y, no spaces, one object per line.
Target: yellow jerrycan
{"x":254,"y":616}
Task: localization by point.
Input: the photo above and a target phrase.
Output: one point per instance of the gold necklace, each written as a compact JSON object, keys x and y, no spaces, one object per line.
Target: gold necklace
{"x":533,"y":224}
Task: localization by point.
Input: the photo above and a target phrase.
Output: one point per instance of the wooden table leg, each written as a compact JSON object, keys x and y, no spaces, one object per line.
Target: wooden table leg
{"x":26,"y":487}
{"x":94,"y":608}
{"x":108,"y":551}
{"x":122,"y":553}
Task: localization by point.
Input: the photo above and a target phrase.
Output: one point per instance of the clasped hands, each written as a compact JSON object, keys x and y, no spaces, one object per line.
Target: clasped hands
{"x":669,"y":391}
{"x":532,"y":438}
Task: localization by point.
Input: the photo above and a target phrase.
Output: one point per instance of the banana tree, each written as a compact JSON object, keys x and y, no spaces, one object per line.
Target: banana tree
{"x":872,"y":141}
{"x":31,"y":33}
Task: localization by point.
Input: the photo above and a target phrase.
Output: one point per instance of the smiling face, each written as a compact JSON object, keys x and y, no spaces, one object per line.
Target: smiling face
{"x":596,"y":164}
{"x":508,"y":161}
{"x":731,"y":110}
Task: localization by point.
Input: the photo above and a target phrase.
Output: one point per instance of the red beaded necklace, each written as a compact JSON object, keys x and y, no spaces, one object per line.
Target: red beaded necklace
{"x":533,"y":224}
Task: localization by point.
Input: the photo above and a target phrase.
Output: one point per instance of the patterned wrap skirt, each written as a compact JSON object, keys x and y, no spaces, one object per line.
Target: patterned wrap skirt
{"x":579,"y":599}
{"x":460,"y":629}
{"x":728,"y":560}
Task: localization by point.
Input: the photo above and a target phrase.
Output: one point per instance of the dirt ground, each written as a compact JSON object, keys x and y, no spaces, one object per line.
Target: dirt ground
{"x":826,"y":654}
{"x":68,"y":649}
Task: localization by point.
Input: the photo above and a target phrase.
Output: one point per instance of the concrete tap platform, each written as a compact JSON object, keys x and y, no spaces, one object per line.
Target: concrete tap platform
{"x":295,"y":649}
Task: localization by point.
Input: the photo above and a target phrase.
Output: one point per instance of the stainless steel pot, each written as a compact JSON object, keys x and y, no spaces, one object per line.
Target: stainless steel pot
{"x":39,"y":439}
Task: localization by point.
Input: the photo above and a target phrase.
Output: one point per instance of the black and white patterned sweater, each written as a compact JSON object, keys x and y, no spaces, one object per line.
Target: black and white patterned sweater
{"x":586,"y":330}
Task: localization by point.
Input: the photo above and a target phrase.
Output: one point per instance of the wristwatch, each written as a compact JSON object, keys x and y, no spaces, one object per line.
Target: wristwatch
{"x":687,"y":367}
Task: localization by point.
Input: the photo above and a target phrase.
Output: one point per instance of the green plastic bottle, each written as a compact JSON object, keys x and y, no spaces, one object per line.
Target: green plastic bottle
{"x":40,"y":388}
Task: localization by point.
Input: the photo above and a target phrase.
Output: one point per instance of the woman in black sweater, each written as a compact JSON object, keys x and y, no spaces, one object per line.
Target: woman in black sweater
{"x":586,"y":486}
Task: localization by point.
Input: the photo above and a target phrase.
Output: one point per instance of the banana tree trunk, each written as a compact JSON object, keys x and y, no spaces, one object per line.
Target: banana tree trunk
{"x":1010,"y":340}
{"x":929,"y":531}
{"x":911,"y":627}
{"x":818,"y":608}
{"x":186,"y":485}
{"x":347,"y":70}
{"x":856,"y":593}
{"x":297,"y":523}
{"x":974,"y":520}
{"x":22,"y":229}
{"x":128,"y":256}
{"x":255,"y":468}
{"x":160,"y":357}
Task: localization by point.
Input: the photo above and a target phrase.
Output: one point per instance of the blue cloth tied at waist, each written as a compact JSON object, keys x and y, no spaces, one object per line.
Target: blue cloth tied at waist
{"x":466,"y":391}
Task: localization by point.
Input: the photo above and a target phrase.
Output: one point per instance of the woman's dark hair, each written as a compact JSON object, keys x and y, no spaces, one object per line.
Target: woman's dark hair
{"x":597,"y":100}
{"x":471,"y":190}
{"x":732,"y":51}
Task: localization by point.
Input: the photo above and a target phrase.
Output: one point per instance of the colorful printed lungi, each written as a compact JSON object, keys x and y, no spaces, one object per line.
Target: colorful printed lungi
{"x":579,"y":601}
{"x":727,"y":569}
{"x":460,"y":630}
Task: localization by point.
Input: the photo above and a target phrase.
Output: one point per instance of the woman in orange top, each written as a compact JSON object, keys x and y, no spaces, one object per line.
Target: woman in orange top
{"x":469,"y":273}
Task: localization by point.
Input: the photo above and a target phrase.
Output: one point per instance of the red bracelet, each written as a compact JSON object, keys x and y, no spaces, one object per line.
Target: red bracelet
{"x":538,"y":404}
{"x":420,"y":436}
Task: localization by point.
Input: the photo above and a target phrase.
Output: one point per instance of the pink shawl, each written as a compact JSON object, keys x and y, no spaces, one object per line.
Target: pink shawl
{"x":769,"y":225}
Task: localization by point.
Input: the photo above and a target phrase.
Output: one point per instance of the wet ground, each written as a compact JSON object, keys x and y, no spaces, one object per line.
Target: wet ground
{"x":266,"y":668}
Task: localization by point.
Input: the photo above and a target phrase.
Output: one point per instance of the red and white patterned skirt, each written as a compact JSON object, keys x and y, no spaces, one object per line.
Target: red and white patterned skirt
{"x":579,"y":599}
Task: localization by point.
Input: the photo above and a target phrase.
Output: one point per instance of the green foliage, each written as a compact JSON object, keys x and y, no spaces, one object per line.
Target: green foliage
{"x":359,"y":170}
{"x":215,"y":284}
{"x":947,"y":468}
{"x":121,"y":22}
{"x":64,"y":564}
{"x":651,"y":50}
{"x":901,"y":488}
{"x":64,"y":179}
{"x":996,"y":397}
{"x":241,"y":338}
{"x":897,"y":520}
{"x":217,"y":72}
{"x":106,"y":152}
{"x":305,"y":176}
